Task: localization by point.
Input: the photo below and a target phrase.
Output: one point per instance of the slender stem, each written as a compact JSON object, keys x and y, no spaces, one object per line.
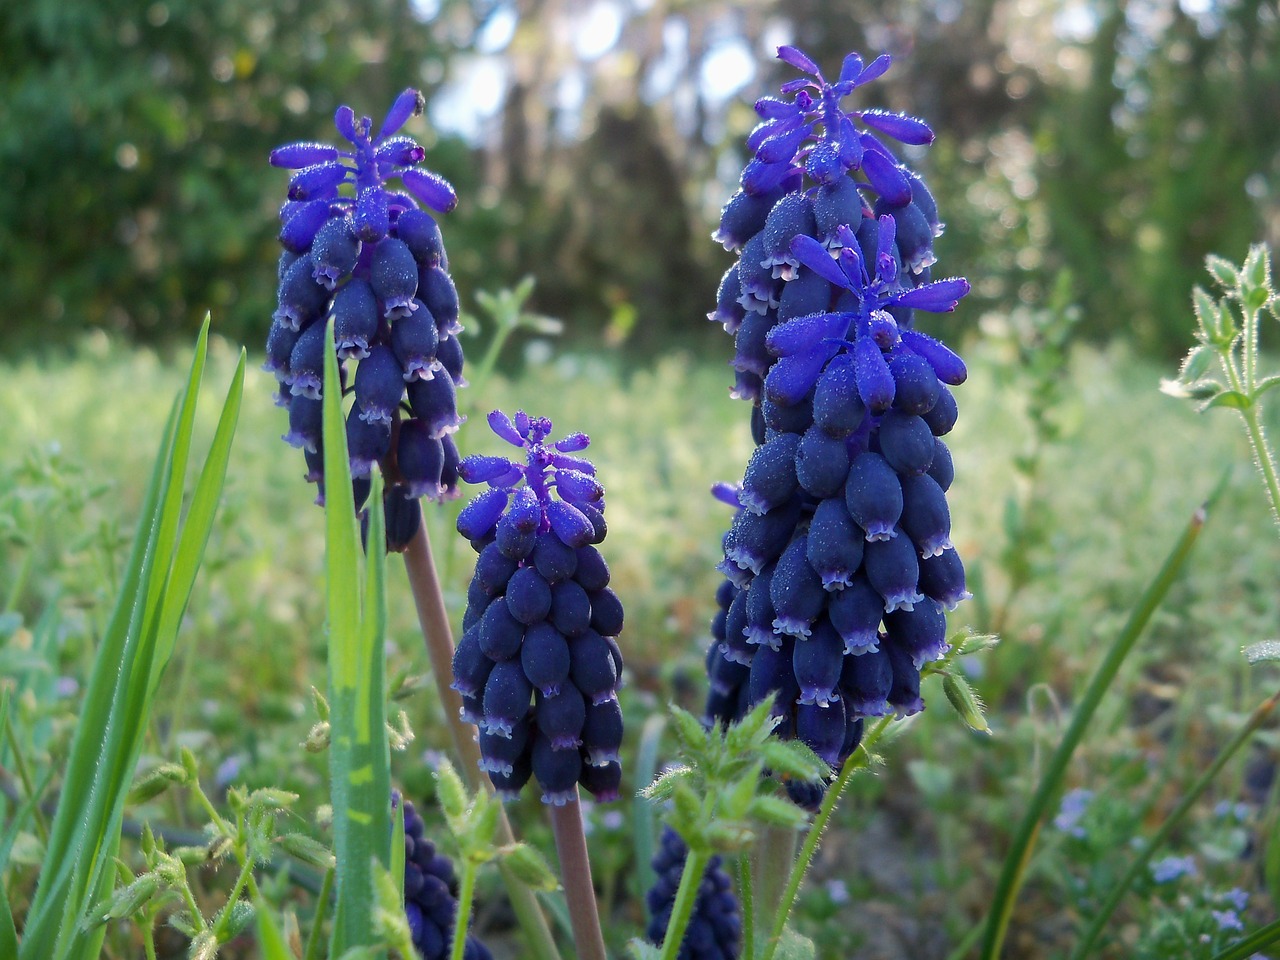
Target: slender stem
{"x":24,"y":774}
{"x":1266,"y":462}
{"x":1157,"y":841}
{"x":1019,"y":855}
{"x":575,"y":874}
{"x":462,"y":922}
{"x":438,"y":636}
{"x":316,"y":940}
{"x":774,"y":854}
{"x":748,"y":907}
{"x":224,"y":917}
{"x":810,"y":846}
{"x":695,"y":865}
{"x":1250,"y":945}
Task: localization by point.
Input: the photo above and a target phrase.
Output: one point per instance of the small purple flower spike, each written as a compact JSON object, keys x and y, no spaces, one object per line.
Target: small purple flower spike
{"x":539,"y":649}
{"x":360,"y":250}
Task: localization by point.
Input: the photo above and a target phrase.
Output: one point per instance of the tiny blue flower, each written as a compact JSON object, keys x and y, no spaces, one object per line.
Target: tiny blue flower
{"x":1171,"y":868}
{"x":1074,"y":805}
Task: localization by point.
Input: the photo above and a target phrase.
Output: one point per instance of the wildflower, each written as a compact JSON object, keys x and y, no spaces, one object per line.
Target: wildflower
{"x":538,"y":664}
{"x":1170,"y":869}
{"x":715,"y":928}
{"x":1227,"y":919}
{"x":431,"y":895}
{"x":366,"y":255}
{"x":844,"y":513}
{"x":1074,"y":804}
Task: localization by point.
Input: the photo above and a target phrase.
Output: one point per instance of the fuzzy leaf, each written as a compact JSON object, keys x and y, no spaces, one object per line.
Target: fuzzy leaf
{"x":792,"y":758}
{"x":689,"y":730}
{"x":793,"y":946}
{"x":777,"y":812}
{"x":530,"y":867}
{"x":1224,"y":271}
{"x":1266,"y":384}
{"x":1229,"y":398}
{"x":966,"y":702}
{"x":1260,"y":652}
{"x":662,"y":788}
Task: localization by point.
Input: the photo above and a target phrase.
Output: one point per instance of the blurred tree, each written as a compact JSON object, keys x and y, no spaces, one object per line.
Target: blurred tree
{"x":134,"y":138}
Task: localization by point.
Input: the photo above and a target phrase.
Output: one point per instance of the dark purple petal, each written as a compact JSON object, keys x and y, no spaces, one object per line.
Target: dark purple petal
{"x":941,"y":296}
{"x":572,"y":443}
{"x":400,"y":152}
{"x":793,"y":377}
{"x":345,"y":120}
{"x":850,"y":144}
{"x":569,"y":523}
{"x":780,"y":148}
{"x":501,"y":424}
{"x":885,"y":177}
{"x":372,"y":218}
{"x":805,"y":333}
{"x":875,"y":69}
{"x":901,"y":127}
{"x":479,"y":516}
{"x":295,"y":156}
{"x":875,"y":381}
{"x":316,"y":182}
{"x":771,"y":108}
{"x":851,"y":68}
{"x":772,"y":128}
{"x":410,"y":103}
{"x":792,"y":56}
{"x":433,"y":190}
{"x":301,"y":227}
{"x":760,"y":177}
{"x":478,"y":468}
{"x":946,"y":364}
{"x":816,"y":257}
{"x":578,"y":487}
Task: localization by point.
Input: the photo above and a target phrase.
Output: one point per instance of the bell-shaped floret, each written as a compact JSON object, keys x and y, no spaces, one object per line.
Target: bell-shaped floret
{"x":300,"y":225}
{"x":742,"y":218}
{"x":435,"y":402}
{"x":393,"y":274}
{"x":822,"y":463}
{"x":436,"y":290}
{"x":404,"y":517}
{"x":420,"y":458}
{"x":837,"y":204}
{"x":499,"y":632}
{"x":875,"y":379}
{"x":371,"y":218}
{"x":865,"y":683}
{"x":805,"y":293}
{"x":817,"y":662}
{"x":873,"y":494}
{"x":300,"y":300}
{"x":837,"y":406}
{"x":431,"y":189}
{"x":790,"y":216}
{"x":317,"y":182}
{"x":355,"y":319}
{"x":368,"y":441}
{"x":893,"y":568}
{"x":941,"y":469}
{"x":500,"y":754}
{"x":592,"y":669}
{"x":758,"y":284}
{"x":735,"y":646}
{"x":544,"y":654}
{"x":906,"y":442}
{"x":449,"y":355}
{"x":770,"y":477}
{"x":592,"y":572}
{"x":904,"y":695}
{"x":856,"y":612}
{"x":759,"y":609}
{"x":281,"y":340}
{"x":471,"y":668}
{"x":528,"y":596}
{"x":941,"y":417}
{"x":570,"y":608}
{"x":557,"y":772}
{"x":920,"y":631}
{"x":479,"y":517}
{"x":750,"y":352}
{"x":493,"y":570}
{"x":560,"y":716}
{"x":305,"y":423}
{"x":942,"y":579}
{"x":507,"y":694}
{"x":835,"y":544}
{"x":306,"y":362}
{"x":379,"y":384}
{"x":926,"y":518}
{"x":421,"y":234}
{"x":788,"y":418}
{"x":334,"y":252}
{"x":796,"y":590}
{"x":415,"y":340}
{"x":753,"y":540}
{"x":603,"y":781}
{"x":602,"y":732}
{"x":916,"y":386}
{"x":553,"y":558}
{"x":772,"y":672}
{"x":518,"y":527}
{"x":606,"y":612}
{"x":822,"y":727}
{"x":728,"y":312}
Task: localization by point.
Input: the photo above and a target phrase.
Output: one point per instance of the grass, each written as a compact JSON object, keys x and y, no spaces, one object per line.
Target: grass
{"x":917,"y":845}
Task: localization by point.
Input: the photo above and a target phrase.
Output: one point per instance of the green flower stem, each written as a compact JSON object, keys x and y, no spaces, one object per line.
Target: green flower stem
{"x":1019,"y":855}
{"x":1262,"y":937}
{"x":462,"y":920}
{"x":1262,"y":454}
{"x":438,"y":636}
{"x":1256,"y":719}
{"x":1245,"y":384}
{"x":245,"y":876}
{"x":745,"y":895}
{"x":810,"y":846}
{"x":24,"y":774}
{"x":695,"y":865}
{"x":775,"y":851}
{"x":575,"y":874}
{"x":317,"y":940}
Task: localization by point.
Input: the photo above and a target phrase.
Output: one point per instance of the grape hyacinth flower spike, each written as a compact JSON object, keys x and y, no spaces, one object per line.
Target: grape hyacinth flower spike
{"x":538,"y":665}
{"x":371,"y":259}
{"x":839,"y":562}
{"x":431,"y":895}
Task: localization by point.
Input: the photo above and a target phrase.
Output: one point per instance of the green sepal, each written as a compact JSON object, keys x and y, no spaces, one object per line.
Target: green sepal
{"x":529,"y":866}
{"x":791,"y":758}
{"x":777,"y":812}
{"x":308,"y":850}
{"x":1228,"y":398}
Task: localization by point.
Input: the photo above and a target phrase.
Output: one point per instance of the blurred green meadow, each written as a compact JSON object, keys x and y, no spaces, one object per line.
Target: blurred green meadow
{"x":1072,"y":483}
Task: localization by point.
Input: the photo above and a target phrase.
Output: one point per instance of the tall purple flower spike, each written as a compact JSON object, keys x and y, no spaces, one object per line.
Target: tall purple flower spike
{"x":538,"y":665}
{"x":361,"y":251}
{"x":839,"y":562}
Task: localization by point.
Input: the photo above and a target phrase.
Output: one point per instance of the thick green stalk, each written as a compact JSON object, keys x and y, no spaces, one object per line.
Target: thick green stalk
{"x":437,"y":634}
{"x":1256,"y":719}
{"x":1250,"y":945}
{"x":462,"y":922}
{"x":747,"y":899}
{"x":695,"y":865}
{"x":1015,"y":864}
